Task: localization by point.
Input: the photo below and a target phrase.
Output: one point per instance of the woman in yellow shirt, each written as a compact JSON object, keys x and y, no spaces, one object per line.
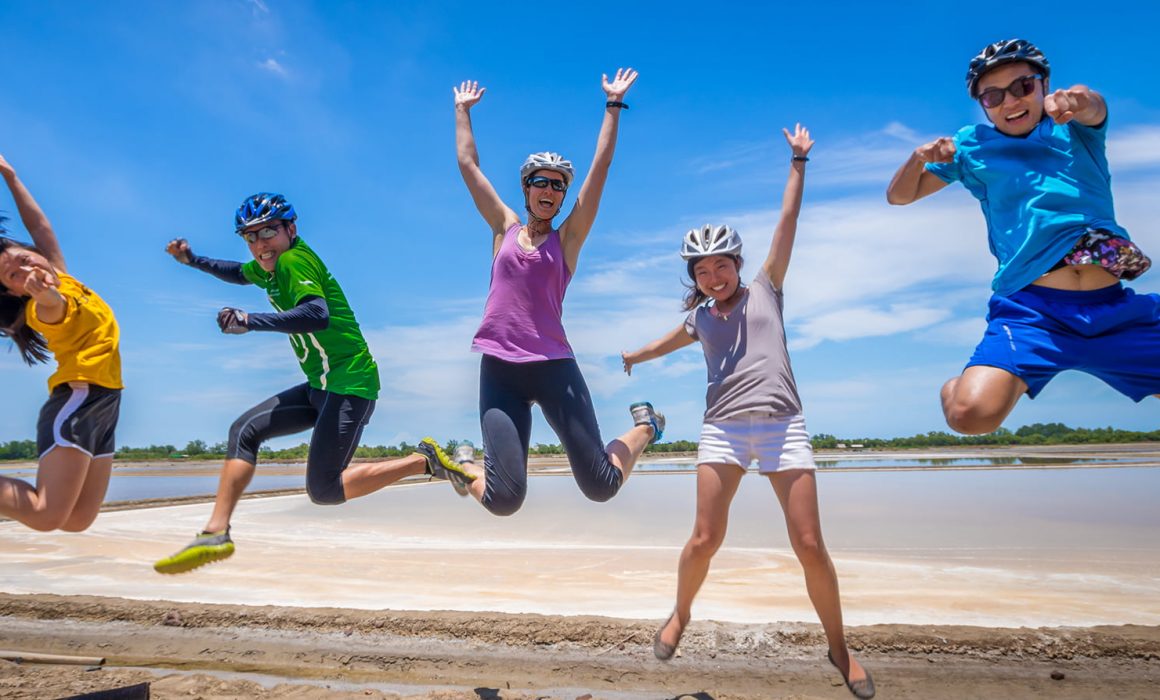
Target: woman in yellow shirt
{"x":45,"y":311}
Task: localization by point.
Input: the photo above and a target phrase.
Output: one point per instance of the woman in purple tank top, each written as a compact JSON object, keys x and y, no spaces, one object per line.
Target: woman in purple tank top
{"x":526,"y":355}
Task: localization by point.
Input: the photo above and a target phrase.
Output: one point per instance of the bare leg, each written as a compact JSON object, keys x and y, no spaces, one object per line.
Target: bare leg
{"x":797,"y":491}
{"x":59,"y":480}
{"x":716,"y":486}
{"x":92,"y":494}
{"x":980,"y":399}
{"x":626,"y":449}
{"x":235,"y":477}
{"x":361,"y":479}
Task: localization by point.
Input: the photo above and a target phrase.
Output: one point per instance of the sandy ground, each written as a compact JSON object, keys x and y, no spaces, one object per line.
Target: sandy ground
{"x":216,"y":651}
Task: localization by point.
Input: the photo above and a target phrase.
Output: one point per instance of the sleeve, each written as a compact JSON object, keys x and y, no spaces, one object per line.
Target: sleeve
{"x":302,"y":275}
{"x":224,"y":270}
{"x":310,"y":315}
{"x":1094,"y":137}
{"x":952,"y":171}
{"x":691,"y":325}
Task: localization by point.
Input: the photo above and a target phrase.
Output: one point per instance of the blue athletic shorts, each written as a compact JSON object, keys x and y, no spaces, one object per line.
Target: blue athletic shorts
{"x":1110,"y":333}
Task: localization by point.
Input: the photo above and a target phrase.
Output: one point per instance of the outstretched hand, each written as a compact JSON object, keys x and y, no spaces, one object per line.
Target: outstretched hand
{"x":1062,"y":105}
{"x":941,"y":150}
{"x":799,"y":140}
{"x":40,"y":284}
{"x":179,"y":249}
{"x":620,"y":84}
{"x":627,"y":359}
{"x":5,"y":169}
{"x":468,"y":93}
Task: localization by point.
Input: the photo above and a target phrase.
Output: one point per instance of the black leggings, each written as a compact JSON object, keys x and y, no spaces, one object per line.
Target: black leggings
{"x":507,"y":391}
{"x":338,"y":421}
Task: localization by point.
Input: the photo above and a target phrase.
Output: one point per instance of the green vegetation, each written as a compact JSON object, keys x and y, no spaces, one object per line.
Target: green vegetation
{"x":1034,"y":434}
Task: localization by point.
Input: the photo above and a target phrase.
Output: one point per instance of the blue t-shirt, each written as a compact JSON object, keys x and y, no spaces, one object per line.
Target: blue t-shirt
{"x":1039,"y":193}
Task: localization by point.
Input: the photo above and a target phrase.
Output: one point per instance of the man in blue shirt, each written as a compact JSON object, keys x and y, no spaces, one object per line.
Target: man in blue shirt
{"x":1041,"y":177}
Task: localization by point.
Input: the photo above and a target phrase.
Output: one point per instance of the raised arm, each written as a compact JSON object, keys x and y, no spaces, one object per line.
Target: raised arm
{"x":913,"y":181}
{"x":575,"y":228}
{"x":497,"y":214}
{"x":1079,"y":103}
{"x":225,"y":270}
{"x":671,"y":341}
{"x":37,"y":224}
{"x":780,"y":249}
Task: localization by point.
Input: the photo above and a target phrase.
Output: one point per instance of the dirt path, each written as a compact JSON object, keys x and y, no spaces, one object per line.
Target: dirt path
{"x":189,"y":650}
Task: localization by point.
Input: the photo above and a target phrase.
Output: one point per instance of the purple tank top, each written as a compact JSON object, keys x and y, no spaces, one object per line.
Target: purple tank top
{"x":523,"y":318}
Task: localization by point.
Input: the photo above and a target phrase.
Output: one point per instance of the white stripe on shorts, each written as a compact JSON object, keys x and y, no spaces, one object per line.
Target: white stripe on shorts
{"x":776,"y":443}
{"x":80,"y":392}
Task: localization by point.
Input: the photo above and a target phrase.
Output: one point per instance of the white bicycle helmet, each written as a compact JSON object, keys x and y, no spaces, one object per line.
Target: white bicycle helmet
{"x":710,"y":240}
{"x":547,"y":161}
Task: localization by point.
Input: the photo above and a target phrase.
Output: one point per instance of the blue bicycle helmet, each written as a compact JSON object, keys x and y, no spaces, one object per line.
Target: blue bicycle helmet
{"x":263,"y":207}
{"x":1006,"y":51}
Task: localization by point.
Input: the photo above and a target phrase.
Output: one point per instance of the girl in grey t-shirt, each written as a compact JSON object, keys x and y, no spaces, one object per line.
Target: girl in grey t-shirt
{"x":752,"y":413}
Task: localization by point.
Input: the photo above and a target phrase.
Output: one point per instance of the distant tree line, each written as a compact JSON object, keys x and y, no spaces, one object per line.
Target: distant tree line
{"x":1034,"y":434}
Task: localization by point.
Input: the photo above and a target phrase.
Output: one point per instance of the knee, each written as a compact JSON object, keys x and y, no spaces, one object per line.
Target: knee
{"x":329,"y":493}
{"x":603,"y":491}
{"x":47,"y":520}
{"x":79,"y":521}
{"x":971,"y":418}
{"x":809,"y":548}
{"x":706,"y":541}
{"x":503,"y":501}
{"x":242,"y":440}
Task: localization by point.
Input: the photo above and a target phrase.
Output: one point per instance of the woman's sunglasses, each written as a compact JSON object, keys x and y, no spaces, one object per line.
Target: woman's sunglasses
{"x":993,"y":97}
{"x":544,"y":182}
{"x":264,"y":233}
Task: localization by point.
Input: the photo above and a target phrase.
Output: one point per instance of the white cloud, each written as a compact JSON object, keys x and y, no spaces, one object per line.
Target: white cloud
{"x":273,"y":66}
{"x":259,"y":7}
{"x":1134,"y":148}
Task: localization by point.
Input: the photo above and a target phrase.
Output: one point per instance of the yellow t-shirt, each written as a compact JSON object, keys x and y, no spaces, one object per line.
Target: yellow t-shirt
{"x":86,"y":342}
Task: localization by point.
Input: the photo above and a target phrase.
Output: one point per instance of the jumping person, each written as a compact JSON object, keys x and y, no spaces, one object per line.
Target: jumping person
{"x":526,"y":355}
{"x":48,"y":312}
{"x":1039,"y":171}
{"x":342,"y":383}
{"x":753,"y":413}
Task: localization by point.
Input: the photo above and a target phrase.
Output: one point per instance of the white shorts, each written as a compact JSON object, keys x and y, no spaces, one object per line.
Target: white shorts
{"x":777,"y":443}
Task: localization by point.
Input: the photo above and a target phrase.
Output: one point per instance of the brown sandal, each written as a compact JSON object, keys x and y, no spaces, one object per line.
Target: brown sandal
{"x":863,"y":689}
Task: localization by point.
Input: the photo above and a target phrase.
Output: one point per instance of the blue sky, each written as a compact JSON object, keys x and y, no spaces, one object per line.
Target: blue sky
{"x":134,"y":123}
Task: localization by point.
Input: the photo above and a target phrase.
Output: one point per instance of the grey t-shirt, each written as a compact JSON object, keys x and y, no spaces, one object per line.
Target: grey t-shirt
{"x":746,"y":355}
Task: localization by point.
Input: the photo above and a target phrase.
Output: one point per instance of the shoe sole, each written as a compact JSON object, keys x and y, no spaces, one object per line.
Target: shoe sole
{"x":450,"y":466}
{"x":184,"y":562}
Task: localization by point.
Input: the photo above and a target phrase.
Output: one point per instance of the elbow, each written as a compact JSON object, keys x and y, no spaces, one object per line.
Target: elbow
{"x":894,"y":198}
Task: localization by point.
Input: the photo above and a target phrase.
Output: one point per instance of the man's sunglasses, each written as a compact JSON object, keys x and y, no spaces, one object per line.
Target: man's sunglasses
{"x":993,"y":97}
{"x":263,"y":233}
{"x":544,"y":182}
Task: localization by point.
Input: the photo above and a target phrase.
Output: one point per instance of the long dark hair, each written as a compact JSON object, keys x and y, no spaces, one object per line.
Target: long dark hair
{"x":32,"y":345}
{"x":693,"y":295}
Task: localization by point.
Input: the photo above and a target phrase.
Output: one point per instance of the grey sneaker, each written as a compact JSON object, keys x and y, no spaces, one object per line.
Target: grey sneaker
{"x":465,"y":453}
{"x":643,"y":413}
{"x":440,"y":466}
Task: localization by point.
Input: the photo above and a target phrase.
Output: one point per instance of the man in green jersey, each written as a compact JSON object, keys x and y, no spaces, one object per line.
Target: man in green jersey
{"x":342,"y":379}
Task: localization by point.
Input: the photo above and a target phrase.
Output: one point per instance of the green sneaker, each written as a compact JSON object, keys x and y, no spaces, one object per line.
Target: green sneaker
{"x":206,"y":548}
{"x":440,"y":466}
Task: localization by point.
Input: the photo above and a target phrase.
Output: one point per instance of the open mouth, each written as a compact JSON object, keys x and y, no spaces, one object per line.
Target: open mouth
{"x":268,"y":255}
{"x":1016,"y":116}
{"x":547,"y":202}
{"x":719,"y":288}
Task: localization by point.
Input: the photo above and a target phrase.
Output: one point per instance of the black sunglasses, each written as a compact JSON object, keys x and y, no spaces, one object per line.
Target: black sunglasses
{"x":264,"y":233}
{"x":993,"y":97}
{"x":545,"y":182}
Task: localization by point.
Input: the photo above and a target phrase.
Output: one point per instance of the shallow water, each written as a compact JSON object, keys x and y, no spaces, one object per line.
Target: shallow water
{"x":1005,"y":548}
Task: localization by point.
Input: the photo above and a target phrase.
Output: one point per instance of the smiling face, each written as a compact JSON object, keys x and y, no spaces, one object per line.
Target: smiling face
{"x":1016,"y":116}
{"x":717,"y":276}
{"x":16,"y":262}
{"x":544,"y":200}
{"x":267,"y":250}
